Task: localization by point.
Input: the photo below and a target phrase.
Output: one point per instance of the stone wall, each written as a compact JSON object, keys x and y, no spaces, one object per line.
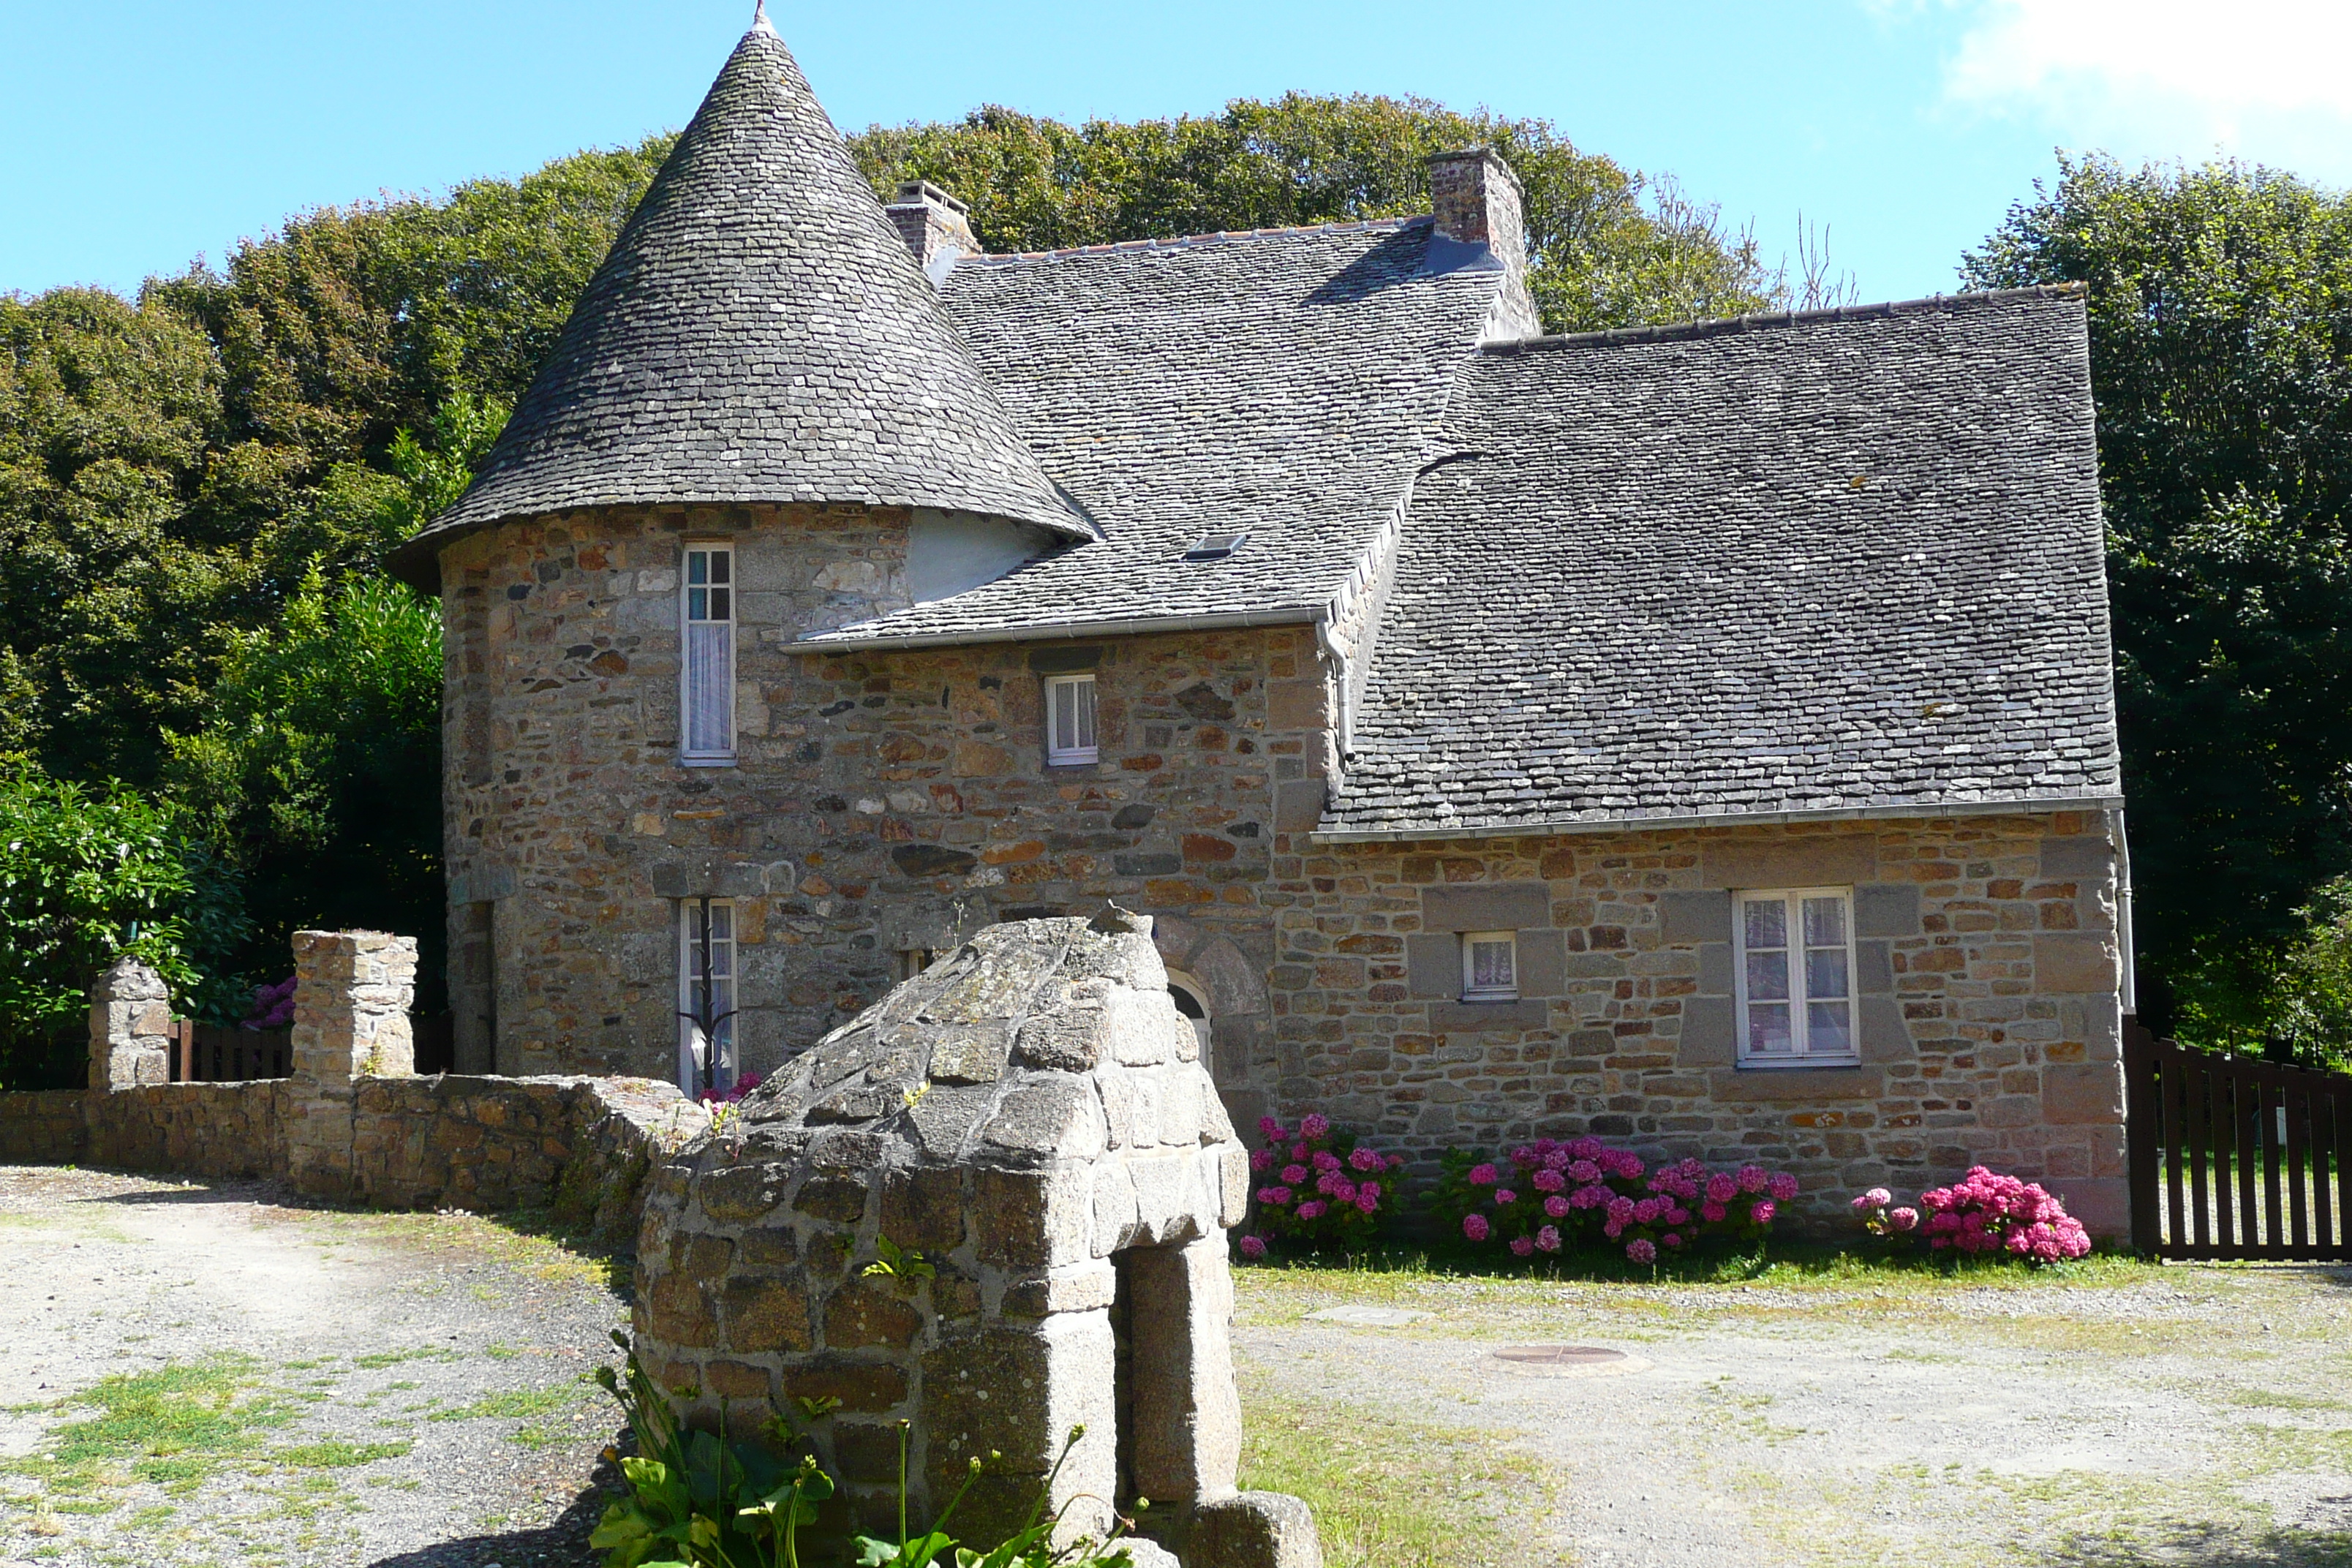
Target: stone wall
{"x":581,"y":1146}
{"x":217,"y":1130}
{"x":882,"y":803}
{"x":43,"y":1128}
{"x":1986,"y":964}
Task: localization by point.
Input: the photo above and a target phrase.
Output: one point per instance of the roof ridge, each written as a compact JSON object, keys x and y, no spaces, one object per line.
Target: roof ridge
{"x":1759,"y":320}
{"x":1173,"y":242}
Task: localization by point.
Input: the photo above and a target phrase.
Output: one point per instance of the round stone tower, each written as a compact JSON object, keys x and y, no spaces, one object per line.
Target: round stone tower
{"x":758,"y":422}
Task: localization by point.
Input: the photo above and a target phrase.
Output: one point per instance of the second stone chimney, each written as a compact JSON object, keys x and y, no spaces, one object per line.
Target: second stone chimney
{"x":1477,"y":200}
{"x":936,"y":227}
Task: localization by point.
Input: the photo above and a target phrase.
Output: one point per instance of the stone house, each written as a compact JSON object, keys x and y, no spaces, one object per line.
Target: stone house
{"x":1699,"y":735}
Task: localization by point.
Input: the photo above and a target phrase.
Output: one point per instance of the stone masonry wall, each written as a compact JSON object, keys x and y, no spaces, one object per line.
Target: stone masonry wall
{"x":219,"y":1130}
{"x":1986,"y":966}
{"x":43,"y":1127}
{"x":882,"y":802}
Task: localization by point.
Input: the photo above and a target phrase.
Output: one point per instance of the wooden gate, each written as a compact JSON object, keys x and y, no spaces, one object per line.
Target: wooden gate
{"x":2233,"y":1157}
{"x":210,"y":1053}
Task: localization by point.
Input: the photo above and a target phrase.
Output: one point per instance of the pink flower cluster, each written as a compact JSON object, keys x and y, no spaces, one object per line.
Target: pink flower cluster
{"x":273,"y":1006}
{"x":1984,"y":1211}
{"x":1879,"y":1219}
{"x":1547,"y":1194}
{"x":744,"y":1084}
{"x":1317,"y":1183}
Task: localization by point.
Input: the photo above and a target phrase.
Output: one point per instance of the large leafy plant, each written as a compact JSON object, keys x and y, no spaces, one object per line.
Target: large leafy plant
{"x":698,"y":1499}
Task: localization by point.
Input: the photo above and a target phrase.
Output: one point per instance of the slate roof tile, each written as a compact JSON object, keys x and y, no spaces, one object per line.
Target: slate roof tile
{"x":1284,"y":381}
{"x":1849,"y":561}
{"x":759,"y":333}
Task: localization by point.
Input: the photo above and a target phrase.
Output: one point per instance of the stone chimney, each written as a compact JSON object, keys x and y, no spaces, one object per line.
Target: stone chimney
{"x":935,"y":226}
{"x":1477,"y":200}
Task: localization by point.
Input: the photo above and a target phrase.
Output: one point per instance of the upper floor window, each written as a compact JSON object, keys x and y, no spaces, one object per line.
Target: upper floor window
{"x":1070,"y":720}
{"x":1795,"y":974}
{"x":707,"y":671}
{"x":1490,"y":966}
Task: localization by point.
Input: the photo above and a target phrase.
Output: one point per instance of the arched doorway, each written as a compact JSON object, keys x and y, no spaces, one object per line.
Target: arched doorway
{"x":1192,"y":999}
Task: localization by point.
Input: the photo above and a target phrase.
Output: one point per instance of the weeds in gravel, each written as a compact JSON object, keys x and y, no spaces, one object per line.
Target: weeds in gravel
{"x":533,"y":1242}
{"x":175,"y":1426}
{"x":1391,"y":1494}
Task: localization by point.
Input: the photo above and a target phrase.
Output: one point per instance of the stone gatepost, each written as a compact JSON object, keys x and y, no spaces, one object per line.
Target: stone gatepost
{"x":129,"y":1028}
{"x":1031,"y":1119}
{"x":352,"y":994}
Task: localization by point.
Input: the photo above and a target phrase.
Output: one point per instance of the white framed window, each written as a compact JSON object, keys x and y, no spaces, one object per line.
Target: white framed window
{"x":706,"y":1015}
{"x":1490,"y":966}
{"x":1070,"y":720}
{"x":707,"y":668}
{"x":1795,"y":977}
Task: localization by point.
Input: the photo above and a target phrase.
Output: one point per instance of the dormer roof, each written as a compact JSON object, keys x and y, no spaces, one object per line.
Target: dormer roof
{"x":759,"y":333}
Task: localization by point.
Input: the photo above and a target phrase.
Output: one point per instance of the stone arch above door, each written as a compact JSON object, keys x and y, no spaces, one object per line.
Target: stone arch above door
{"x":1241,"y":1017}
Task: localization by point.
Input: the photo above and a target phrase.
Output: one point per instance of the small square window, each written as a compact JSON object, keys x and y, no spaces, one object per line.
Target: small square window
{"x":1216,"y":546}
{"x":1070,"y":720}
{"x":1490,"y":966}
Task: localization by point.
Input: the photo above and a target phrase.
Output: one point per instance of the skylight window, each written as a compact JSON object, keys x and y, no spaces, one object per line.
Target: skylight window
{"x":1216,"y":546}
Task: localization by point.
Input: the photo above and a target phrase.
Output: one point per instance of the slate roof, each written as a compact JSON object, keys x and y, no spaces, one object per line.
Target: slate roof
{"x":1839,"y":562}
{"x":759,"y":333}
{"x":1283,"y":382}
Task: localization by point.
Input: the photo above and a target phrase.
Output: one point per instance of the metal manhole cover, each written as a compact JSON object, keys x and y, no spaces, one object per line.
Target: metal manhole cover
{"x":1566,"y":1361}
{"x":1559,"y":1355}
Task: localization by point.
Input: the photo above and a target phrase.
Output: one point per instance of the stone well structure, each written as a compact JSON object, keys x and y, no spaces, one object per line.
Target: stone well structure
{"x":1030,"y":1116}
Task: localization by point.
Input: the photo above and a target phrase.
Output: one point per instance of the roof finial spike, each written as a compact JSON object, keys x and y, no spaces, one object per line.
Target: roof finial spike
{"x":760,"y":23}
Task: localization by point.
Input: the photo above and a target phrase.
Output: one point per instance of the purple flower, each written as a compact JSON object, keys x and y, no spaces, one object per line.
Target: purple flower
{"x":1641,"y":1250}
{"x":1753,"y":1178}
{"x":1903,"y":1219}
{"x":1252,"y":1247}
{"x":1294,"y":1174}
{"x":1261,"y":1158}
{"x":1548,"y":1180}
{"x":1368,"y":1199}
{"x":1549,"y":1238}
{"x":1314,"y":1126}
{"x":1270,"y":1130}
{"x":1522,"y":1246}
{"x":1311,"y":1209}
{"x":1713,"y":1213}
{"x":1782,"y":1186}
{"x":1721,"y":1188}
{"x":1474,"y":1227}
{"x":1876,"y":1198}
{"x":1763,"y":1211}
{"x":1505,"y":1197}
{"x":1484,"y":1175}
{"x":1556,"y":1206}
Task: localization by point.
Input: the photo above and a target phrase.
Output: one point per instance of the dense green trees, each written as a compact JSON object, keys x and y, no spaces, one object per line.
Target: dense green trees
{"x":2220,"y":303}
{"x":1608,"y":247}
{"x":84,"y":877}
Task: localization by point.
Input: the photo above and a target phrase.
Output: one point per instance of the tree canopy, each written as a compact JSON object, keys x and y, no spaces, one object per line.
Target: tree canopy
{"x":1609,"y":247}
{"x":2221,"y":309}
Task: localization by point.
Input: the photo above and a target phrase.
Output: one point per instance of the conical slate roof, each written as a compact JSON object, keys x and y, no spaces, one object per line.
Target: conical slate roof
{"x":759,"y":332}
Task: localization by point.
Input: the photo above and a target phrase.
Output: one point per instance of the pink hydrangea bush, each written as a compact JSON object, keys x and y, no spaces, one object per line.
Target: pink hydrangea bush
{"x":1982,"y":1213}
{"x":1547,"y":1195}
{"x":1315,"y":1184}
{"x":273,"y":1006}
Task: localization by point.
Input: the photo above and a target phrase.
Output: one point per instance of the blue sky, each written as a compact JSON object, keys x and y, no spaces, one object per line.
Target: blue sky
{"x":135,"y":135}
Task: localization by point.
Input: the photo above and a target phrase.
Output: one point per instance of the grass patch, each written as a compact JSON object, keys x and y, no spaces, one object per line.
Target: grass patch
{"x":377,"y":1360}
{"x":531,"y":1241}
{"x":336,"y":1455}
{"x":1392,"y":1494}
{"x":175,"y":1426}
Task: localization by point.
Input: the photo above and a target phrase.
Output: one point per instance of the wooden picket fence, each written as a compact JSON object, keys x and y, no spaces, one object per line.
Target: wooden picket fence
{"x":215,"y":1053}
{"x":2232,"y":1157}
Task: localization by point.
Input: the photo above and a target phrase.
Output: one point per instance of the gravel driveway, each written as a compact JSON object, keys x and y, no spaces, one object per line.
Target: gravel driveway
{"x":201,"y":1375}
{"x":2117,"y":1413}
